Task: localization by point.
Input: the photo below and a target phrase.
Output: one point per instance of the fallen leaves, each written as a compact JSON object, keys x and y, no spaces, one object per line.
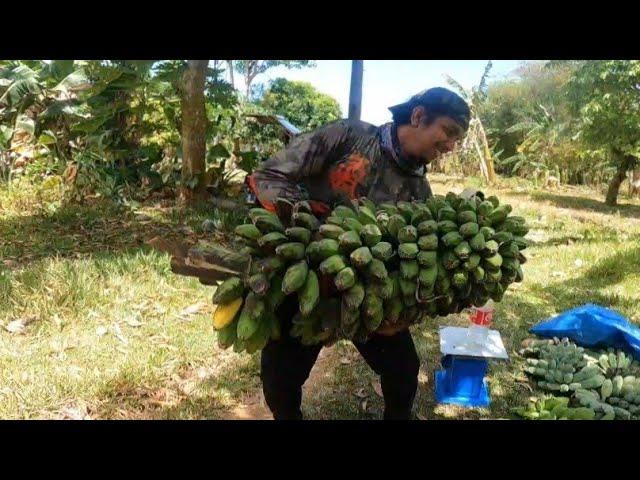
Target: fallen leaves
{"x":191,"y":310}
{"x":62,"y":345}
{"x":58,"y":322}
{"x":75,"y":372}
{"x":537,"y":236}
{"x":524,"y":385}
{"x":10,"y":263}
{"x":118,"y":334}
{"x":360,"y":393}
{"x":133,"y":322}
{"x":19,"y":325}
{"x":143,"y":218}
{"x":186,"y":230}
{"x":377,"y":388}
{"x":16,"y":326}
{"x":74,"y":414}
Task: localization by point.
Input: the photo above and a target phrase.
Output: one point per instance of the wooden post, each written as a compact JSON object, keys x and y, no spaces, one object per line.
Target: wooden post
{"x":355,"y":93}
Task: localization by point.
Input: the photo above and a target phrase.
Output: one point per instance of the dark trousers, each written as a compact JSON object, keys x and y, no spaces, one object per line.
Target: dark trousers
{"x":286,"y":364}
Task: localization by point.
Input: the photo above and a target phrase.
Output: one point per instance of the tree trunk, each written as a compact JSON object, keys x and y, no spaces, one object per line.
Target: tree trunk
{"x":248,"y":79}
{"x":488,"y":161}
{"x":439,"y":163}
{"x":482,"y":161}
{"x":618,"y":178}
{"x":250,"y":74}
{"x":194,"y":126}
{"x":233,"y":83}
{"x":634,"y":183}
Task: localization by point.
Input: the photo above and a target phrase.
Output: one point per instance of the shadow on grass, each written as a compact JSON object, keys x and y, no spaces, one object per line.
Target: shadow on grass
{"x":163,"y":399}
{"x":588,"y":288}
{"x":584,"y":238}
{"x":333,"y":396}
{"x":231,"y":393}
{"x":626,"y":210}
{"x":75,"y":230}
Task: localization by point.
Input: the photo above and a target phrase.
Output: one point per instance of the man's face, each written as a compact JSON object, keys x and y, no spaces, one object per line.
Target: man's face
{"x":427,"y":142}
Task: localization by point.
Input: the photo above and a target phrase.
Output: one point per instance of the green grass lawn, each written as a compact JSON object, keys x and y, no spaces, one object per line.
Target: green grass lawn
{"x":103,"y":329}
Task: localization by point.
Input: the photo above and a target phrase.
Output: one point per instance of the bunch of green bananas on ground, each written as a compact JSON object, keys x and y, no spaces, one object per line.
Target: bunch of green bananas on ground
{"x":553,"y":408}
{"x":603,"y":381}
{"x":366,"y":264}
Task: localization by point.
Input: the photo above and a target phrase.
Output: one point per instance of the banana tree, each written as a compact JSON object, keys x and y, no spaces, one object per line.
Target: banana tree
{"x":476,"y":138}
{"x":536,"y":151}
{"x":62,"y":108}
{"x":29,"y":89}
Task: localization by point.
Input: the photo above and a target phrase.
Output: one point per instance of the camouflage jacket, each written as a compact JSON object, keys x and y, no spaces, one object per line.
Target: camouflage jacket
{"x":340,"y":161}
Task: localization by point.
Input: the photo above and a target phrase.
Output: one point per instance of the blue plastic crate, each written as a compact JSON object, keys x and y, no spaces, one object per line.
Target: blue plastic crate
{"x":462,"y":382}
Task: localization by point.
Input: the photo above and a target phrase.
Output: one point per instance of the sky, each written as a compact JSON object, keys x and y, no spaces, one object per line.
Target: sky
{"x":389,"y":82}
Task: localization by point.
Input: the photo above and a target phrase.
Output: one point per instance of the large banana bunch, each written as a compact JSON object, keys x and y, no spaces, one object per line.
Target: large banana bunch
{"x":368,"y":264}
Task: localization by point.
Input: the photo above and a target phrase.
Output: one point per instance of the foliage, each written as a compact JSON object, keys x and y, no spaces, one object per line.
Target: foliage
{"x":105,"y":317}
{"x":300,"y":103}
{"x":562,"y":119}
{"x":250,"y":69}
{"x":605,"y":97}
{"x":114,"y":127}
{"x":474,"y":149}
{"x":519,"y":100}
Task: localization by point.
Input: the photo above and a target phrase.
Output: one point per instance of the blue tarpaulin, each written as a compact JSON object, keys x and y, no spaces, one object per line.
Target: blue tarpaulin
{"x":593,"y":326}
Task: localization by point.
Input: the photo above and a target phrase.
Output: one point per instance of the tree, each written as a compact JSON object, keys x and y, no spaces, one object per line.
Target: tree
{"x":605,"y":98}
{"x":194,"y":129}
{"x":250,"y":69}
{"x":300,"y":103}
{"x":514,"y":101}
{"x":123,"y":127}
{"x":231,"y":79}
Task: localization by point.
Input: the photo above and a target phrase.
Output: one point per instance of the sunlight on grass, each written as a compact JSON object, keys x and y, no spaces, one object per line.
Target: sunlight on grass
{"x":105,"y":327}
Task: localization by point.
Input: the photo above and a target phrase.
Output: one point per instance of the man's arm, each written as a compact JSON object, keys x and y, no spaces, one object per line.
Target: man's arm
{"x":306,"y":156}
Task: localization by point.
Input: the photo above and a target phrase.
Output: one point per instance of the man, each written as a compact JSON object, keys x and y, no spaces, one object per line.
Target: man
{"x":348,"y":160}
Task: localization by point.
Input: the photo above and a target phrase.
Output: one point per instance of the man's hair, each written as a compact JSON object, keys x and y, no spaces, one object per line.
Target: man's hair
{"x":438,"y":102}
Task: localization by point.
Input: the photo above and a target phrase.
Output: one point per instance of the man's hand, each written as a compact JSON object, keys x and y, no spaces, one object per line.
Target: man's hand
{"x":285,"y":208}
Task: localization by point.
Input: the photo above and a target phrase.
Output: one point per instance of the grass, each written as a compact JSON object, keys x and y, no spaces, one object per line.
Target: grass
{"x":110,"y":333}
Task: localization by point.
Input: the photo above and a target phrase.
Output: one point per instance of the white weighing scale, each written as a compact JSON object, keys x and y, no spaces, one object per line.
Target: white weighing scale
{"x":465,"y":363}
